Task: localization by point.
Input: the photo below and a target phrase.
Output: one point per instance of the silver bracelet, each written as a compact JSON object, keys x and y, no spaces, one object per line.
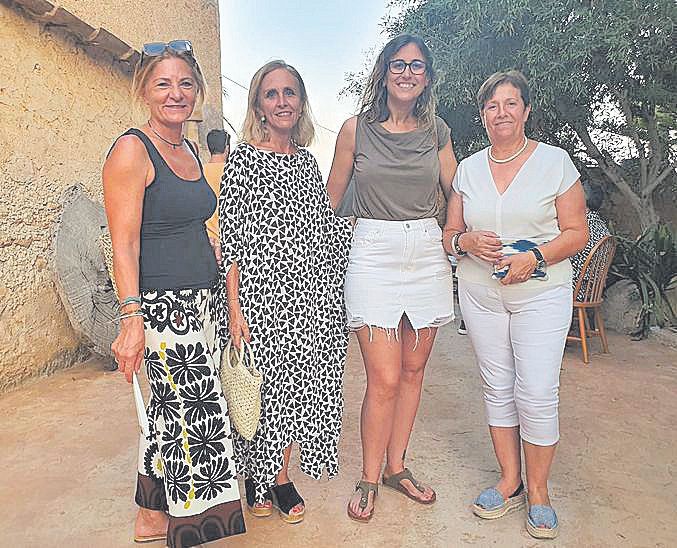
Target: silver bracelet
{"x":455,"y":248}
{"x":130,"y":315}
{"x":131,"y":300}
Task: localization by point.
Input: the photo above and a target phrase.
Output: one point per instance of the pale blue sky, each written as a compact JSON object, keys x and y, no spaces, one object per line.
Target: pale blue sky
{"x":323,"y":40}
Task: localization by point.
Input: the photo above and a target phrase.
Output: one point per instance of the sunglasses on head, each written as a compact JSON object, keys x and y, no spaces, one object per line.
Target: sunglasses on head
{"x":155,"y":49}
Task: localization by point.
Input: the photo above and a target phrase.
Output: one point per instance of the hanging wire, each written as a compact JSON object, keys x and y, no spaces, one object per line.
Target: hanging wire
{"x":247,"y":89}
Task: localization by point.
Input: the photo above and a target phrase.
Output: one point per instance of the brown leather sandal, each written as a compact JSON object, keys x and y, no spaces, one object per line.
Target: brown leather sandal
{"x":365,"y":487}
{"x":394,"y":482}
{"x":150,"y":538}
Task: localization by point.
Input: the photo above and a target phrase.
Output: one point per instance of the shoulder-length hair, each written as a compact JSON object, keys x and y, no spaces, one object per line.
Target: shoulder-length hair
{"x":254,"y":131}
{"x":375,"y":95}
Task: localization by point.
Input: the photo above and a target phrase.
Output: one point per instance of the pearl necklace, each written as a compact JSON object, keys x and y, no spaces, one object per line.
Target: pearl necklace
{"x":509,"y":158}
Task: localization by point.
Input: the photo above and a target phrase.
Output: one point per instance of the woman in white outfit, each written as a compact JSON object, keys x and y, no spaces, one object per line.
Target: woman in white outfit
{"x":398,"y":286}
{"x":517,"y":189}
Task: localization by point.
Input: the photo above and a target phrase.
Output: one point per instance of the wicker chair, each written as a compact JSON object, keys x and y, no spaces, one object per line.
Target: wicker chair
{"x":590,"y":285}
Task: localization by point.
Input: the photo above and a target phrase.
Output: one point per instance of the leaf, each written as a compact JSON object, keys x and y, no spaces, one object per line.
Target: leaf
{"x":580,"y":58}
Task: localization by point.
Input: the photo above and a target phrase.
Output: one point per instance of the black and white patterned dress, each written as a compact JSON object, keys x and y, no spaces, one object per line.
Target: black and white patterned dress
{"x":292,"y":252}
{"x":598,"y":230}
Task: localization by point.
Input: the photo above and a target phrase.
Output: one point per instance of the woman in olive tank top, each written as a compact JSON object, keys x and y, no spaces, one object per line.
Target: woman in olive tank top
{"x":398,"y":287}
{"x":157,"y":202}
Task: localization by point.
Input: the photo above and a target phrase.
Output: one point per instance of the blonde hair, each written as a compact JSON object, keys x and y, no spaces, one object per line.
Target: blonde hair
{"x":254,"y":131}
{"x":143,"y":71}
{"x":375,"y":95}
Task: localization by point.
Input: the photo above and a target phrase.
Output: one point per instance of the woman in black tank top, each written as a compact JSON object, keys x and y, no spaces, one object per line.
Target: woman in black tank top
{"x":157,"y":202}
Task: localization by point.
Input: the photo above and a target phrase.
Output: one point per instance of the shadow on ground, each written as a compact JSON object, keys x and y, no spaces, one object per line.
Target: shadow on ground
{"x":69,"y":450}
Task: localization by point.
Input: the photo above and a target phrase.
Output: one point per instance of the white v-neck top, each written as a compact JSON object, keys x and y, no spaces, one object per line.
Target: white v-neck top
{"x":526,"y":210}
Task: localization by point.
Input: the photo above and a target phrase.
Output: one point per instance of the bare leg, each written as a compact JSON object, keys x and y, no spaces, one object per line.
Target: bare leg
{"x":382,"y":362}
{"x":150,"y":523}
{"x":506,"y":442}
{"x":408,"y":398}
{"x":283,"y":477}
{"x":538,"y":459}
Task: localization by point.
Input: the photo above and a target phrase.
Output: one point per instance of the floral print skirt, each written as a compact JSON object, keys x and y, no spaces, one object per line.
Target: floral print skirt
{"x":186,"y":465}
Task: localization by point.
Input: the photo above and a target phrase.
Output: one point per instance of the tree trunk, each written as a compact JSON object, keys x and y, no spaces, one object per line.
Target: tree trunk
{"x":648,"y":216}
{"x":641,"y":203}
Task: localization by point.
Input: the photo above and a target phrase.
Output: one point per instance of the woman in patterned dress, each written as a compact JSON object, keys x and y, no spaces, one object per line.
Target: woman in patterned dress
{"x":285,"y":253}
{"x":597,"y":229}
{"x":157,"y":201}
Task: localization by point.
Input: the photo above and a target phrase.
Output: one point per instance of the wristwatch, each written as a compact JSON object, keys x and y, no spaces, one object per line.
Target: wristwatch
{"x":541,"y":264}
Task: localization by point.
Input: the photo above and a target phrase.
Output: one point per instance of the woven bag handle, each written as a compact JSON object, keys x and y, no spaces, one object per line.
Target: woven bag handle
{"x":240,"y":355}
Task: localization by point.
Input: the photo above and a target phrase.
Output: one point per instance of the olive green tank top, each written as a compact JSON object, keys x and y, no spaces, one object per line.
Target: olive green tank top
{"x":396,"y":175}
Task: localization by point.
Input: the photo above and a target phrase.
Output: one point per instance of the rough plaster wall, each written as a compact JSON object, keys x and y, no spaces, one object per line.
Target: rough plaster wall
{"x":60,"y":109}
{"x":195,"y":20}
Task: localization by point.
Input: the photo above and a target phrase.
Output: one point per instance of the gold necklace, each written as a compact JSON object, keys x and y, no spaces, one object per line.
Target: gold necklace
{"x":509,"y":158}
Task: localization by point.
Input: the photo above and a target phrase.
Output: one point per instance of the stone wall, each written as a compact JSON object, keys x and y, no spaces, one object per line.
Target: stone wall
{"x":60,"y":109}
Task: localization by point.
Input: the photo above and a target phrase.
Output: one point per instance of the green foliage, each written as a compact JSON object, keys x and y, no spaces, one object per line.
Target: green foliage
{"x":602,"y":74}
{"x":650,"y":262}
{"x":576,"y":54}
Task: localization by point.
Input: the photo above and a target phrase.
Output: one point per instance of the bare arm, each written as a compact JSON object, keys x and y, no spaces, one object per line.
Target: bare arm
{"x":448,"y":165}
{"x":573,"y":226}
{"x":454,"y":223}
{"x":342,"y":166}
{"x":125,"y":175}
{"x":482,"y":243}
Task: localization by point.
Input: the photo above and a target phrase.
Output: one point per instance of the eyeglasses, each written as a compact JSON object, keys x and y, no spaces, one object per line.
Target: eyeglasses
{"x":398,"y":66}
{"x":155,"y":49}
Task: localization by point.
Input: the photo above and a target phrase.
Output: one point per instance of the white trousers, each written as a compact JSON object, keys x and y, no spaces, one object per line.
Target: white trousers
{"x":519,"y":336}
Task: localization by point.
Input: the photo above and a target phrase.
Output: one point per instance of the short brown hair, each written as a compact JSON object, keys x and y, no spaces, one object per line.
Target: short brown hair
{"x":144,"y":70}
{"x":514,"y":77}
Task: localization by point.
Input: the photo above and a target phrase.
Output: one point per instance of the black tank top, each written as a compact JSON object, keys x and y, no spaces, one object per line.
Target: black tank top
{"x":175,"y":248}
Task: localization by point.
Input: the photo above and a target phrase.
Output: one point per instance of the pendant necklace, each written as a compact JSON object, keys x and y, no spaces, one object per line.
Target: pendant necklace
{"x":510,"y":158}
{"x":173,"y":145}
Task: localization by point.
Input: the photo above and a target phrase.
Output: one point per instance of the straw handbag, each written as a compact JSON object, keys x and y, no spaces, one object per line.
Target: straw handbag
{"x":242,"y":388}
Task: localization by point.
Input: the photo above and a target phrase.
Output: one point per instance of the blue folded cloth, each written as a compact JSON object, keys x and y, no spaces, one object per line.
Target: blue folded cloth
{"x":512,"y":247}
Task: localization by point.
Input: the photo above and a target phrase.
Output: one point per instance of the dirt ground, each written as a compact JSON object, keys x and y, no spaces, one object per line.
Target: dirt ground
{"x":69,"y":449}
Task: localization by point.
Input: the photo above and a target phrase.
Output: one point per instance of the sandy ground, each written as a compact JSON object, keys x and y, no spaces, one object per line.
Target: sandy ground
{"x":69,"y":449}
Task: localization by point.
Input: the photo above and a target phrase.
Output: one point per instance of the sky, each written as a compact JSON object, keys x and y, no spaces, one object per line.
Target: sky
{"x":323,"y":40}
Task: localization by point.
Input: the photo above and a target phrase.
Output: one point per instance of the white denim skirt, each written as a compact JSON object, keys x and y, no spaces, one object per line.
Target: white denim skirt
{"x":396,"y":268}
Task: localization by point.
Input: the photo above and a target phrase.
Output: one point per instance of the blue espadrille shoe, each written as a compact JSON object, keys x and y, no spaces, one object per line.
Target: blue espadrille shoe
{"x":542,"y":521}
{"x":491,"y":504}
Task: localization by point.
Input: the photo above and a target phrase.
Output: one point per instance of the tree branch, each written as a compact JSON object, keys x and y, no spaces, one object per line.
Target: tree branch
{"x":655,"y":143}
{"x":626,"y":108}
{"x":608,"y":166}
{"x":650,"y":188}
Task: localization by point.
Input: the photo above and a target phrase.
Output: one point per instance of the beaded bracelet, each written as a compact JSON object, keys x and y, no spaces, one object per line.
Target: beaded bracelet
{"x":130,"y":300}
{"x":130,"y":315}
{"x":455,"y":247}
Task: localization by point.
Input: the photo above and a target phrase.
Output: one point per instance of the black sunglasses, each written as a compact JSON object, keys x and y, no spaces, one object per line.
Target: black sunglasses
{"x":398,"y":66}
{"x":155,"y":49}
